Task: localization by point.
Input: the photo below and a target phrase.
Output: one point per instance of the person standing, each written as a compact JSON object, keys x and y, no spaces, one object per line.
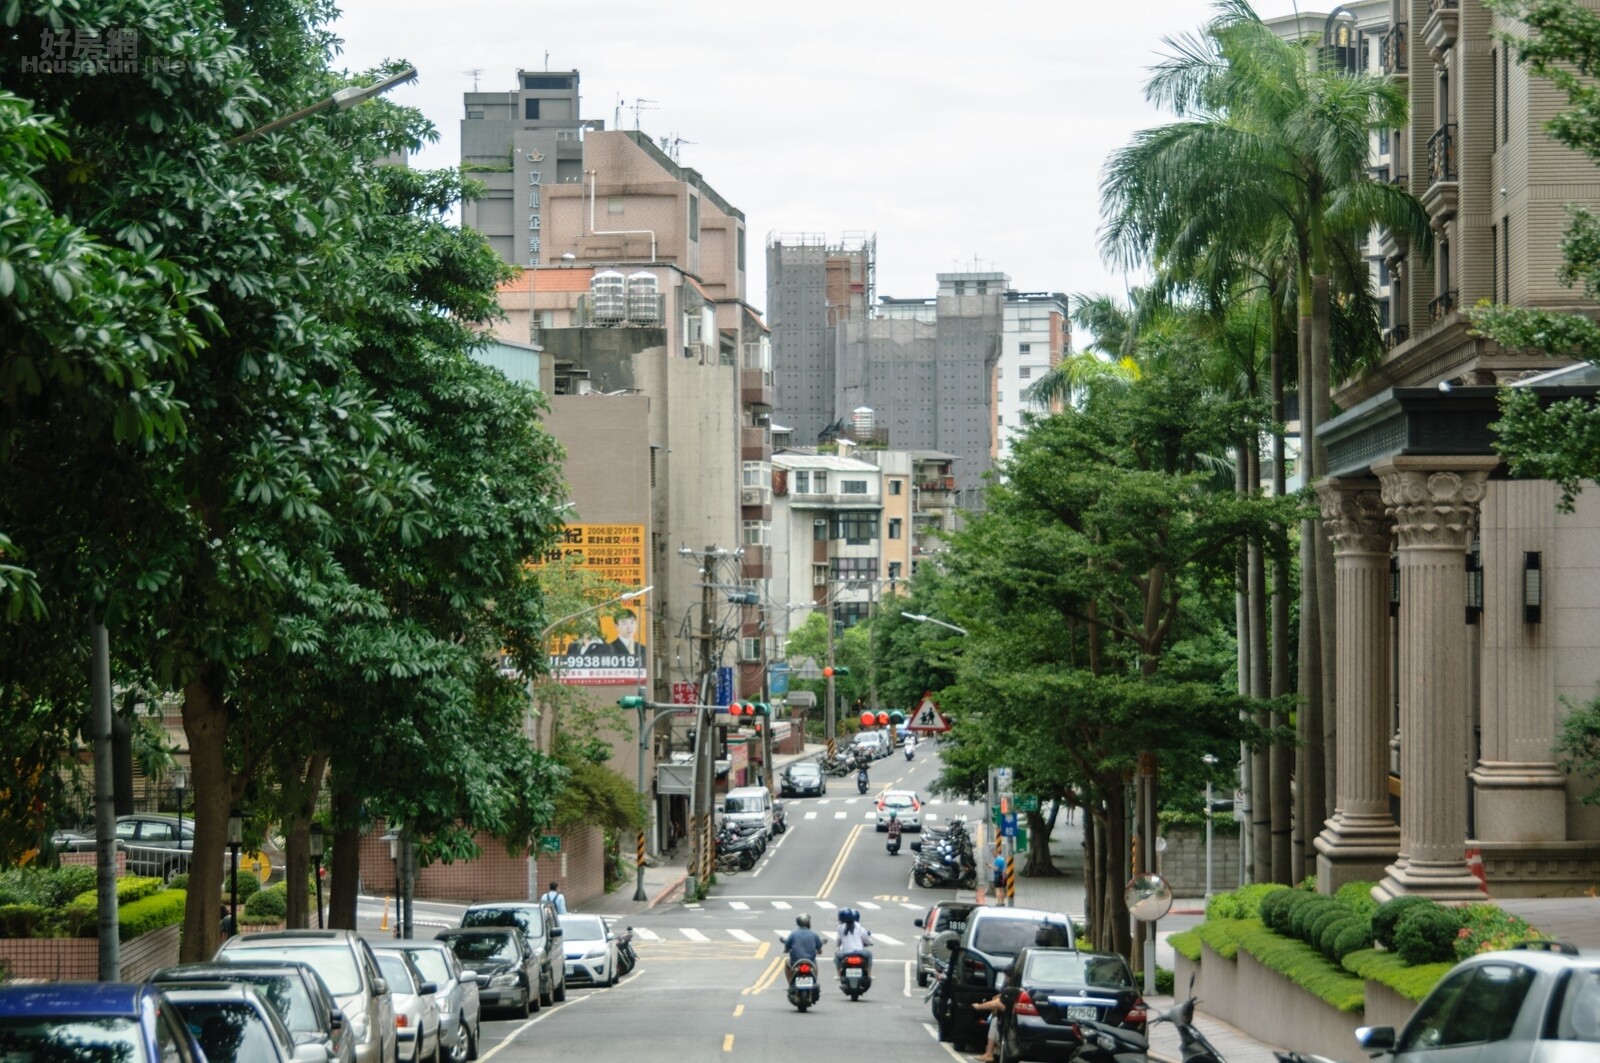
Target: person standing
{"x":557,"y":899}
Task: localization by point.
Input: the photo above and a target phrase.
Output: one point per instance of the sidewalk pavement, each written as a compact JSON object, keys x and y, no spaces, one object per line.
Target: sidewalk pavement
{"x":664,"y":878}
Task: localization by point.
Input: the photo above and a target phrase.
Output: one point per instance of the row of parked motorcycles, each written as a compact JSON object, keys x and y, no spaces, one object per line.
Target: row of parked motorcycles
{"x":846,"y":762}
{"x":945,"y":859}
{"x":740,"y":845}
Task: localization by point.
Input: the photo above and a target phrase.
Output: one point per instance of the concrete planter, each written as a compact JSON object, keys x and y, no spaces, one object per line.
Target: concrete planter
{"x":78,"y":959}
{"x":1270,"y":1008}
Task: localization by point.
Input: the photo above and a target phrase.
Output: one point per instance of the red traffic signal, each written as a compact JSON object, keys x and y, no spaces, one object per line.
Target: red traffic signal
{"x":867,"y":719}
{"x":883,"y":719}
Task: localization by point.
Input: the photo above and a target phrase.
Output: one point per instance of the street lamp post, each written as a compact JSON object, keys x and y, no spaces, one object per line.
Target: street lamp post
{"x":342,"y":100}
{"x":235,"y":843}
{"x":180,"y":783}
{"x":317,"y":842}
{"x":1210,"y":762}
{"x":924,"y":619}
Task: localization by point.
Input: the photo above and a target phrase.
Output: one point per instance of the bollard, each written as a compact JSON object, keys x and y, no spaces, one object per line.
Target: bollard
{"x":385,"y":924}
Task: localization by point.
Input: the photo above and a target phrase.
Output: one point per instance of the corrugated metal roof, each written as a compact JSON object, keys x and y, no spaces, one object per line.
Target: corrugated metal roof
{"x":822,"y":461}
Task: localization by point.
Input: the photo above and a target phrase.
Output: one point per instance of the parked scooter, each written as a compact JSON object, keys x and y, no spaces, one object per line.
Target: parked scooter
{"x":853,"y":977}
{"x":1193,"y":1046}
{"x":780,"y":822}
{"x":804,"y":989}
{"x":626,"y":957}
{"x":1101,"y":1042}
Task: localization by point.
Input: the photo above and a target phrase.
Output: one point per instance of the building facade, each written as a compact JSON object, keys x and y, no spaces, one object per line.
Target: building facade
{"x":813,"y":285}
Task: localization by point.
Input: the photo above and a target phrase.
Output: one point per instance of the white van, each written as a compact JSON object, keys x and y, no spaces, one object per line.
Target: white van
{"x":749,"y":804}
{"x":875,"y":743}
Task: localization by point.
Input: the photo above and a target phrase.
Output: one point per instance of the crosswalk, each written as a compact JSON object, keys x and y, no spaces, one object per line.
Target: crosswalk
{"x":666,"y":935}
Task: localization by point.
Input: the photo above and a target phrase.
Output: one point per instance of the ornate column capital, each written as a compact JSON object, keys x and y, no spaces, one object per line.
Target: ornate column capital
{"x":1434,"y":500}
{"x":1354,"y":517}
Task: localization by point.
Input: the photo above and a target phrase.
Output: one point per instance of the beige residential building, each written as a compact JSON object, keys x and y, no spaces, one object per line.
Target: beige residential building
{"x":1466,"y":601}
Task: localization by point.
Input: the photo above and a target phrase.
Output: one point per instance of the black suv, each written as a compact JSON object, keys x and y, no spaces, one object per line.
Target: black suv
{"x":508,"y":970}
{"x":991,"y":940}
{"x":540,"y":930}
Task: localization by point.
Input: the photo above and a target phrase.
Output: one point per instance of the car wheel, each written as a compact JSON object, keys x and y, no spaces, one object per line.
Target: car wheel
{"x":547,"y":996}
{"x":462,"y":1050}
{"x":561,"y":990}
{"x":525,"y":1009}
{"x":612,"y":979}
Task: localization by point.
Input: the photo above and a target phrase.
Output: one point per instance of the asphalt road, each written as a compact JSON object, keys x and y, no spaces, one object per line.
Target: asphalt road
{"x":709,"y":982}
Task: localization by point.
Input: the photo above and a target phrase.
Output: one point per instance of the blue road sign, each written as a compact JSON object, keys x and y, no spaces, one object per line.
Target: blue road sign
{"x":724,"y":686}
{"x":1008,"y":824}
{"x":778,"y":679}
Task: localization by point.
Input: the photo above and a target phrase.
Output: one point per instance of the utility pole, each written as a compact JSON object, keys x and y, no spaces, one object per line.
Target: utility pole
{"x":829,"y":723}
{"x":701,"y":857}
{"x":105,"y":810}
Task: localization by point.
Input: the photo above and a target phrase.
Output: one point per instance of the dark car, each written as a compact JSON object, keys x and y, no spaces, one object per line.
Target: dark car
{"x":508,"y":970}
{"x":157,"y":846}
{"x":93,"y":1022}
{"x":991,"y":940}
{"x":1051,"y":989}
{"x":235,"y":1024}
{"x":541,"y":930}
{"x":943,"y":924}
{"x":803,"y":778}
{"x":294,"y":988}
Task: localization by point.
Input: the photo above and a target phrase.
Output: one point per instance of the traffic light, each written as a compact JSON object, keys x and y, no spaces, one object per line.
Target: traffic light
{"x":632,"y":701}
{"x":897,"y":717}
{"x":883,"y":719}
{"x":835,"y":672}
{"x":867,"y":719}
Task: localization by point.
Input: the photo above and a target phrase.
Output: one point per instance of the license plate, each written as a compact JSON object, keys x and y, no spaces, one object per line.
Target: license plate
{"x":853,"y":974}
{"x":805,"y":983}
{"x":1079,"y":1011}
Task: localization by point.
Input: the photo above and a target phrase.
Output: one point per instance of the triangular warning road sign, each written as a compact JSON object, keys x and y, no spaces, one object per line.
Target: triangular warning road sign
{"x":927,"y":717}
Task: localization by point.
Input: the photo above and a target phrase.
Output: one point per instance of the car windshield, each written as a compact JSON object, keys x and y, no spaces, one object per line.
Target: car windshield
{"x":288,"y":996}
{"x":742,"y":804}
{"x":897,"y":801}
{"x":526,"y":920}
{"x":1004,"y":937}
{"x":1070,"y":968}
{"x":104,"y":1040}
{"x":476,"y":948}
{"x":335,"y":963}
{"x":230,"y":1032}
{"x":952,"y":919}
{"x":396,"y":973}
{"x":583,"y":927}
{"x":431,"y":963}
{"x":804,"y":771}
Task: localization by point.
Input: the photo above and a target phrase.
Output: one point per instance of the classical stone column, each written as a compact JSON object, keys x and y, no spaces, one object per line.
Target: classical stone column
{"x":1361,"y":838}
{"x":1520,"y":793}
{"x":1434,"y":502}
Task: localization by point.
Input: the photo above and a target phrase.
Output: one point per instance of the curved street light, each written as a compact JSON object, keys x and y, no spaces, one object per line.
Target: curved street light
{"x":924,"y":619}
{"x":342,"y":100}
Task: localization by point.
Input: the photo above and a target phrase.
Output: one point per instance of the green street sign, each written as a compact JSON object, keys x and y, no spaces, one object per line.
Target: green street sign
{"x":549,"y":843}
{"x":1027,"y":803}
{"x":1021,"y":844}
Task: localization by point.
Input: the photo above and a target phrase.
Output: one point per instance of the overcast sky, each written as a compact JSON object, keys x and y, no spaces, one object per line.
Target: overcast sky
{"x":965,"y":136}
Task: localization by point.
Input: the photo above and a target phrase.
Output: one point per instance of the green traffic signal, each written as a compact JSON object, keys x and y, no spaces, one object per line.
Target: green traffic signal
{"x":761,"y":708}
{"x":897,"y":717}
{"x":631,"y":702}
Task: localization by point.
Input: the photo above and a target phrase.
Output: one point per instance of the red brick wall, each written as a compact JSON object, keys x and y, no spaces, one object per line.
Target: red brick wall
{"x":91,"y":858}
{"x":494,"y":875}
{"x":78,"y":959}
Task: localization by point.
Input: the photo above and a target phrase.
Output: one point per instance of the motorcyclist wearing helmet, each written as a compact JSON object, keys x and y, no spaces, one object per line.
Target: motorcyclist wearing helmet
{"x":802,"y":943}
{"x":853,"y":937}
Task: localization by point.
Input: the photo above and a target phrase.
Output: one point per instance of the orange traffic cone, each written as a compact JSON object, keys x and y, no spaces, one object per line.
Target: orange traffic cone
{"x":385,"y":924}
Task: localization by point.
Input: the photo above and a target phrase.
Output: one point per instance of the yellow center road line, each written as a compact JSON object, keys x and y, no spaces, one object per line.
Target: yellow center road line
{"x":766,"y":977}
{"x":834,"y":872}
{"x":766,"y":947}
{"x":738,"y":1010}
{"x":727,"y":1043}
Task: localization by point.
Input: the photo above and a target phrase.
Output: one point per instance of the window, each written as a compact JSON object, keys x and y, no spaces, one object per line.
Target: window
{"x":547,"y":82}
{"x":819,"y":530}
{"x":1000,"y":421}
{"x":750,"y":649}
{"x":694,"y":218}
{"x":547,"y":319}
{"x":757,"y":474}
{"x":530,"y":109}
{"x":1024,"y":348}
{"x":474,"y":114}
{"x":1494,"y":263}
{"x":1505,"y":95}
{"x":854,"y":569}
{"x":1577,"y":1011}
{"x":855,"y":528}
{"x":802,"y":482}
{"x":1505,"y":258}
{"x":1383,"y":141}
{"x":614,"y":205}
{"x":999,"y":396}
{"x":820,"y":482}
{"x":849,"y":614}
{"x":1494,"y":97}
{"x":1472,"y":1006}
{"x":894,"y":570}
{"x":1025,"y":373}
{"x":741,"y":247}
{"x":757,"y":532}
{"x":894,"y":527}
{"x":852,"y":487}
{"x":896,"y":486}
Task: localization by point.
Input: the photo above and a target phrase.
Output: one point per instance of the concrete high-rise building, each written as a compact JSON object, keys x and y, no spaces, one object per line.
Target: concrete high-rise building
{"x":813,"y":286}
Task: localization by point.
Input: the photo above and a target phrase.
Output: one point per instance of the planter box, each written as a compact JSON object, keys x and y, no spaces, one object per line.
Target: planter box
{"x":78,"y":959}
{"x":1269,"y":1007}
{"x":259,"y":928}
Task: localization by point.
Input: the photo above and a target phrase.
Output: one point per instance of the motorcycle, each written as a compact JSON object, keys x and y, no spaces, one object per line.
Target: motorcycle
{"x":946,"y":872}
{"x":803,"y":988}
{"x":780,"y":822}
{"x":909,"y":750}
{"x":1101,"y":1042}
{"x":1193,"y":1046}
{"x":861,"y":781}
{"x":626,"y":957}
{"x":893,"y":844}
{"x":853,"y":977}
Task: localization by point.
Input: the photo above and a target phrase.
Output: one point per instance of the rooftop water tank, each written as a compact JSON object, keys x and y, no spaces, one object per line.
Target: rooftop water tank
{"x":862,"y":420}
{"x":644,"y":298}
{"x":608,"y":294}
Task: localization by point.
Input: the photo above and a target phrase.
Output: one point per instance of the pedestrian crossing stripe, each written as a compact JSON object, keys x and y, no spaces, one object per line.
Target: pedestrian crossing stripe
{"x":646,"y":934}
{"x":826,"y":904}
{"x":742,"y":935}
{"x":869,"y":905}
{"x":782,"y":904}
{"x":739,"y":906}
{"x":693,"y":934}
{"x":811,"y":815}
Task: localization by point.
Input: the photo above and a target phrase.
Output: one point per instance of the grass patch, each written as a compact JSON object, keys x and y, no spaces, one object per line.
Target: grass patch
{"x":1186,"y":944}
{"x":1386,"y":968}
{"x":1223,"y":935}
{"x":1303,"y":965}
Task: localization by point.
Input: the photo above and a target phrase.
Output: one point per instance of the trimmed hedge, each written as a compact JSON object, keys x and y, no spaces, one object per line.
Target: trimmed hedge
{"x":1353,"y":936}
{"x":1301,"y":964}
{"x":248,"y":885}
{"x":1242,"y":903}
{"x":1389,"y":913}
{"x":1427,"y":934}
{"x":150,"y":913}
{"x":1186,"y":944}
{"x":130,"y":888}
{"x":28,"y":921}
{"x":269,"y":902}
{"x":1358,"y":897}
{"x":1413,"y":983}
{"x":47,"y":887}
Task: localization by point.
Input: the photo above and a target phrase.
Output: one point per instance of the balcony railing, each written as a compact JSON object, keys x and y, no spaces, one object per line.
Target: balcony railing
{"x":1441,"y":306}
{"x":1442,"y":154}
{"x":1443,"y":5}
{"x":1394,"y":49}
{"x":1395,"y":336}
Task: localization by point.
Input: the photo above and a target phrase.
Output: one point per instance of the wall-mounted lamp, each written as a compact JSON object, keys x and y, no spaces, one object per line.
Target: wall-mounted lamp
{"x":1474,"y":585}
{"x":1532,"y":588}
{"x":1394,"y":585}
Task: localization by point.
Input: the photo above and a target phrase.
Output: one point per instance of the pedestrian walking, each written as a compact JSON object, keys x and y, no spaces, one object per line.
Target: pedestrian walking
{"x":556,"y":898}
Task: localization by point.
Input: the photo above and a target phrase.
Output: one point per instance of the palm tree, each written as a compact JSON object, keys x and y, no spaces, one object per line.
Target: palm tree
{"x":1268,"y":144}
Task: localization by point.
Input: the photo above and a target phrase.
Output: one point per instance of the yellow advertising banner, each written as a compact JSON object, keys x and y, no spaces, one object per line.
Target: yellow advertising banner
{"x":615,"y":552}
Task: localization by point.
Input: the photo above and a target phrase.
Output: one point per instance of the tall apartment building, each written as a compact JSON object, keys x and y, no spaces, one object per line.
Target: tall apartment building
{"x":1035,"y":334}
{"x":1466,"y":599}
{"x":812,"y":287}
{"x":827,"y":537}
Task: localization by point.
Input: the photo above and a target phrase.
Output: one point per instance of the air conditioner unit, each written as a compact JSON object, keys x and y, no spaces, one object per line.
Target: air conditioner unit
{"x":750,"y":496}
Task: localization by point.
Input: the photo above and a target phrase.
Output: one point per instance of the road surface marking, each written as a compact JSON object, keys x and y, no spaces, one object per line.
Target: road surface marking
{"x":811,"y":815}
{"x":738,"y":1010}
{"x":840,"y":815}
{"x":832,"y":878}
{"x":543,"y":1015}
{"x":886,"y":939}
{"x":692,"y":934}
{"x":648,"y":935}
{"x":826,"y":904}
{"x":742,"y":935}
{"x":869,"y":905}
{"x":739,"y":906}
{"x":913,"y":907}
{"x":782,"y":904}
{"x":727,"y":1043}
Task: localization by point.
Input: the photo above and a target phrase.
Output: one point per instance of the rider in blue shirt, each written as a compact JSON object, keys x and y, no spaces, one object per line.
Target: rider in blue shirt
{"x":803,"y":943}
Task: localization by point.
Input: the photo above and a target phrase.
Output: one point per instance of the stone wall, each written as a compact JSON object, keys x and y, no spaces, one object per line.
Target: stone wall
{"x":1269,"y":1007}
{"x":1183,"y":862}
{"x":494,"y":875}
{"x":78,"y":959}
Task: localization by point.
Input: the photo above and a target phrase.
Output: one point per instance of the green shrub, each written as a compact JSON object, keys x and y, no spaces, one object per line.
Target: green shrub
{"x":1357,"y":896}
{"x":1427,"y":934}
{"x":1488,"y":927}
{"x":1186,"y":944}
{"x":65,"y":883}
{"x":179,"y":881}
{"x":1348,"y":937}
{"x":1413,"y":983}
{"x":248,"y":885}
{"x":1285,"y":914}
{"x":1317,"y":929}
{"x":1388,"y":914}
{"x":29,"y":921}
{"x":1272,"y":906}
{"x":268,"y":902}
{"x":130,"y":888}
{"x":150,"y":913}
{"x":1223,"y":935}
{"x":1164,"y":981}
{"x":1242,"y":903}
{"x":1313,"y":907}
{"x":1301,"y":964}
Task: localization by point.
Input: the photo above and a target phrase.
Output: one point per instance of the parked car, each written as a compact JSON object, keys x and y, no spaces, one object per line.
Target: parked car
{"x":907,"y":806}
{"x":349,"y":969}
{"x":416,"y":1011}
{"x":508,"y":971}
{"x":943,"y":924}
{"x":294,"y":988}
{"x":157,"y":846}
{"x":803,"y":778}
{"x":1534,"y":1003}
{"x":460,"y":1013}
{"x":591,"y":949}
{"x":235,"y":1024}
{"x":540,"y":931}
{"x":1051,"y":989}
{"x":991,"y":940}
{"x":93,"y":1021}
